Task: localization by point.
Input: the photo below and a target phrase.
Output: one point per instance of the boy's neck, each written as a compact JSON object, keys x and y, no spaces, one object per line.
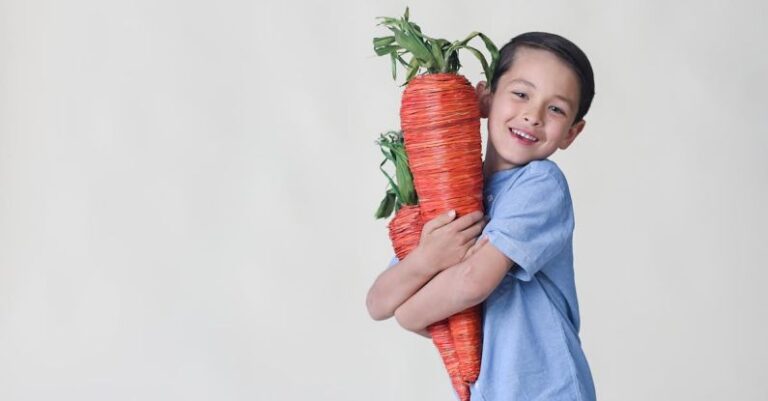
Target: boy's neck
{"x":490,"y":164}
{"x":490,"y":160}
{"x":487,"y":168}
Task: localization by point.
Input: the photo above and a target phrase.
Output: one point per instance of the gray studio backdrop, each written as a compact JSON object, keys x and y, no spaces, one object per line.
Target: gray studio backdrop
{"x":187,"y":190}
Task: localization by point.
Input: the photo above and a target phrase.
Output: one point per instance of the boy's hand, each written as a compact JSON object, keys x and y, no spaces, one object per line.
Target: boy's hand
{"x":445,"y":242}
{"x":478,"y":244}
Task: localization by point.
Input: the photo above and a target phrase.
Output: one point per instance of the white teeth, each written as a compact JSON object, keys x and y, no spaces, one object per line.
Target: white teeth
{"x":524,"y":135}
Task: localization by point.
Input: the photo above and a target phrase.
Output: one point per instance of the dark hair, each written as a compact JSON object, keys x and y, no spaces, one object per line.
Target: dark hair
{"x":561,"y":47}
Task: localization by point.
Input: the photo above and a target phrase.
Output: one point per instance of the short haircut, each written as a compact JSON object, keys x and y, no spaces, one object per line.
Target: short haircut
{"x":561,"y":47}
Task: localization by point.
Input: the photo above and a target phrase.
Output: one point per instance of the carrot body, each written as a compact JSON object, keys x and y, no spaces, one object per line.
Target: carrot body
{"x":405,"y":232}
{"x":440,"y":118}
{"x":466,"y":329}
{"x":441,"y":337}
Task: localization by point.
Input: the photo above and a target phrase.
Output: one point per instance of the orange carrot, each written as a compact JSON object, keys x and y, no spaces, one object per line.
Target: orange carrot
{"x":441,"y":124}
{"x":440,"y":117}
{"x":443,"y":340}
{"x":467,"y":331}
{"x":405,"y":232}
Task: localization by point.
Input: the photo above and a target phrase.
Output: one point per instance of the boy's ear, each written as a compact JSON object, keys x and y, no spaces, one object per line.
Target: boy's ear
{"x":573,"y":132}
{"x":484,"y":98}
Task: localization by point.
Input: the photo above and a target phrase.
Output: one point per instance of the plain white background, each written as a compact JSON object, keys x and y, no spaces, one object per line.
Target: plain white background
{"x":187,"y":191}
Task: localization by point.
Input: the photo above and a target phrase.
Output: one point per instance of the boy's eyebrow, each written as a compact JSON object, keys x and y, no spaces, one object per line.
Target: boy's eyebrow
{"x":529,"y":83}
{"x":524,"y":81}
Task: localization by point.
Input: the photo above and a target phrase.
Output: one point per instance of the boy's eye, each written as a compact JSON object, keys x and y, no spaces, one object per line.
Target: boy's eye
{"x":557,"y":110}
{"x":520,"y":94}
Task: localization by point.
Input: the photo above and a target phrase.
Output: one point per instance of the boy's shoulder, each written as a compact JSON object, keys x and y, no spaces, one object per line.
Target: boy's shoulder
{"x":545,"y":168}
{"x":536,"y":180}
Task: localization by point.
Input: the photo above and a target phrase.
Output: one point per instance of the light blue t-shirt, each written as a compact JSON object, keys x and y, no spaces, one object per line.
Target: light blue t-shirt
{"x":531,"y":346}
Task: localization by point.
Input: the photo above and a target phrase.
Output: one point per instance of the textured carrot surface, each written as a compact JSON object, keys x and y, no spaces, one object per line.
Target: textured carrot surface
{"x":405,"y":230}
{"x":440,"y":118}
{"x":443,"y":340}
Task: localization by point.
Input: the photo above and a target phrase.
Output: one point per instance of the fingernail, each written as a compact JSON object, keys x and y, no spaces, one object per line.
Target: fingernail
{"x":452,"y":213}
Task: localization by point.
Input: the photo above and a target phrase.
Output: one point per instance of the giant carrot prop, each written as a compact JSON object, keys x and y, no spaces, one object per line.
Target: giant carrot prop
{"x":404,"y":232}
{"x":440,"y":118}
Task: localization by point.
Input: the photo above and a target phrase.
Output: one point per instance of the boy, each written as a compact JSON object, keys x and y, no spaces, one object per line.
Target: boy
{"x":522,"y":268}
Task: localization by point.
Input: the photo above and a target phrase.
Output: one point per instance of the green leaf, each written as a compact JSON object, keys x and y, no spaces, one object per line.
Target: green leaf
{"x":412,"y":70}
{"x":437,"y":54}
{"x":388,"y":21}
{"x":391,"y":181}
{"x":489,"y":45}
{"x":494,"y":55}
{"x":452,"y":63}
{"x":468,"y":38}
{"x":402,"y":60}
{"x":455,"y":46}
{"x":413,"y":45}
{"x":386,"y":206}
{"x":387,"y":155}
{"x":417,"y":30}
{"x":404,"y":178}
{"x":380,"y":51}
{"x":410,"y":30}
{"x":442,"y":43}
{"x":483,"y":62}
{"x":392,"y":146}
{"x":383,"y":41}
{"x":394,"y":66}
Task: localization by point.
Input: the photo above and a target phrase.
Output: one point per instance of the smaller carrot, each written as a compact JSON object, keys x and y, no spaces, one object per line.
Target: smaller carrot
{"x":467,"y":332}
{"x":443,"y":340}
{"x":405,"y":232}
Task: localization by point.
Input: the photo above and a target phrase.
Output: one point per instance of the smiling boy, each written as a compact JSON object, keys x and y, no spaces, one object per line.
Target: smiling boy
{"x":523,"y":269}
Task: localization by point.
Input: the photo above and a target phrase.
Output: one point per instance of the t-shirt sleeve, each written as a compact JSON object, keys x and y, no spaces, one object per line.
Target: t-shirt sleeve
{"x":393,"y":262}
{"x":531,"y":222}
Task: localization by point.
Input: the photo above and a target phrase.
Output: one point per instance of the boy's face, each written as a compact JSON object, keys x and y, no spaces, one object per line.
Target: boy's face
{"x":538,"y":97}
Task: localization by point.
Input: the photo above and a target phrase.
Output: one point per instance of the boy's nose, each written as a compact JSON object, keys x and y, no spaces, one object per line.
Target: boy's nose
{"x":534,"y":121}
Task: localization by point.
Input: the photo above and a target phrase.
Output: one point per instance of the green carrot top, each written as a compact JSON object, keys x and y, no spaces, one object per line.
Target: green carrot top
{"x":400,"y":192}
{"x":431,"y":55}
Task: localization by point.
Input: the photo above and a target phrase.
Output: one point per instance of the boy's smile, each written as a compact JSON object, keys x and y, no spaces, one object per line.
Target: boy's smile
{"x":531,"y":113}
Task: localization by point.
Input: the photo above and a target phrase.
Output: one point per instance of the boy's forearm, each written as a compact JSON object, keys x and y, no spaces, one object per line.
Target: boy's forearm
{"x":443,"y":296}
{"x":455,"y":289}
{"x":396,"y":284}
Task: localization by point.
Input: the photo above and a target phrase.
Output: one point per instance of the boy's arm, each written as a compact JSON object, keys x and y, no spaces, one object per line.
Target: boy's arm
{"x":527,"y":230}
{"x":443,"y":242}
{"x":397,"y":283}
{"x":455,"y":289}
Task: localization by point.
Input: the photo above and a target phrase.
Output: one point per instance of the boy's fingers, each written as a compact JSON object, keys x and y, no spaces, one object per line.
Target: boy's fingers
{"x":468,"y":220}
{"x":439,"y":221}
{"x":479,"y":242}
{"x":474,"y":230}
